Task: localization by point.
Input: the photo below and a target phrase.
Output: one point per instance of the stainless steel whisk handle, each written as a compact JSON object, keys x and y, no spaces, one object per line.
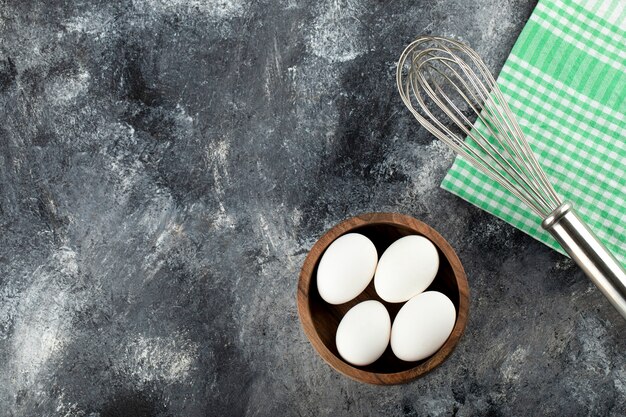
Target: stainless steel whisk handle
{"x":589,"y":253}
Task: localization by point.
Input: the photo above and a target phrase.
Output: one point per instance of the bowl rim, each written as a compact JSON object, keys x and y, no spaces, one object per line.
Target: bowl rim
{"x":304,"y":285}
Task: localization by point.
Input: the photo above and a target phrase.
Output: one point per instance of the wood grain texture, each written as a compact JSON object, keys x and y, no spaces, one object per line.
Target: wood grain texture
{"x":320,"y":319}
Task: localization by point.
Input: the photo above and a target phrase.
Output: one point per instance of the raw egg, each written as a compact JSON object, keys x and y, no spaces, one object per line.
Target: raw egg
{"x":422,"y":326}
{"x":346,"y":268}
{"x":363,"y":333}
{"x":406,"y":268}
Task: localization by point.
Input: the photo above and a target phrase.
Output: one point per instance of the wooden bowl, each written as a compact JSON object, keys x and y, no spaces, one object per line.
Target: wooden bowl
{"x":320,"y":319}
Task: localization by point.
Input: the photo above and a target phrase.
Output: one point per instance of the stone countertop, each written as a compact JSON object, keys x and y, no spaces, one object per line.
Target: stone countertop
{"x":165,"y":165}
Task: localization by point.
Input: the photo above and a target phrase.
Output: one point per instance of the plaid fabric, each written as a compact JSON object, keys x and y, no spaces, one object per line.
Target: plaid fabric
{"x":565,"y":80}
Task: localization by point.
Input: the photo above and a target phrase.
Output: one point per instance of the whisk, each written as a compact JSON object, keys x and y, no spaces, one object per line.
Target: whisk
{"x":450,"y":91}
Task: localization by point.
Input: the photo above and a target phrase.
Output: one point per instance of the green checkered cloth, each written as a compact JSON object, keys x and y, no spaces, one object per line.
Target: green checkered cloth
{"x":565,"y":81}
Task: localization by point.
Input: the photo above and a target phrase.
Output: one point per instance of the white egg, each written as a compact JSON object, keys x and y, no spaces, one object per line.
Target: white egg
{"x":346,"y":268}
{"x":422,"y":326}
{"x":406,"y":269}
{"x":363,"y":333}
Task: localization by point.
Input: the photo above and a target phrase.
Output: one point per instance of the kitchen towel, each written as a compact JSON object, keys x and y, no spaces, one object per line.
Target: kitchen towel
{"x":565,"y":81}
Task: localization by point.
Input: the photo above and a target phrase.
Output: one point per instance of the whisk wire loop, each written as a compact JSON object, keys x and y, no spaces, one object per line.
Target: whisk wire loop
{"x":493,"y":151}
{"x":446,"y":76}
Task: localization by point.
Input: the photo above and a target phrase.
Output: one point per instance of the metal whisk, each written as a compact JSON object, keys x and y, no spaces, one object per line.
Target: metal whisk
{"x":450,"y":91}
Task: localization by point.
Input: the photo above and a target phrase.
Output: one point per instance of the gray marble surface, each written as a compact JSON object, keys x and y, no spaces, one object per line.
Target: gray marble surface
{"x":165,"y":165}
